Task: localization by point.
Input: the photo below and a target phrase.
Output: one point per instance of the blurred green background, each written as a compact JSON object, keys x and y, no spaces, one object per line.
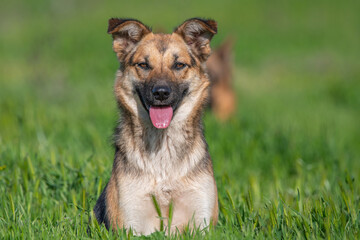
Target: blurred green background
{"x":294,"y":139}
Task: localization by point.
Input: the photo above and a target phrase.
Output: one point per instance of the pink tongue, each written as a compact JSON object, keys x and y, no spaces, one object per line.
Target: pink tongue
{"x":161,"y":116}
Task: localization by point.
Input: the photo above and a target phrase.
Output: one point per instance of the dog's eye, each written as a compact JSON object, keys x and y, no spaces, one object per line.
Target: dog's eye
{"x":143,"y":65}
{"x":179,"y":65}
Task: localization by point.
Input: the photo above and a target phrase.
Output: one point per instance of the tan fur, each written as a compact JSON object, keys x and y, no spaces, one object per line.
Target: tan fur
{"x":172,"y":164}
{"x":112,"y":200}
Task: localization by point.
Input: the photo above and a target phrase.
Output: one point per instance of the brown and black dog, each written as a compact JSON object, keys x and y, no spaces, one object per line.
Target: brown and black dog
{"x":161,"y":89}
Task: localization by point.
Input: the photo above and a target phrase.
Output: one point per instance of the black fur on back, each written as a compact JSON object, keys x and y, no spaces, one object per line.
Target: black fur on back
{"x":100,"y":209}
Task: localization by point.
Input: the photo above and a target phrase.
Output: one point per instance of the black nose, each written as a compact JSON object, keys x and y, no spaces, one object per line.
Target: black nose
{"x":161,"y":93}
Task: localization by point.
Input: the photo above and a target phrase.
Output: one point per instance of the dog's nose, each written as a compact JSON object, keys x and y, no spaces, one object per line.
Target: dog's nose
{"x":161,"y":93}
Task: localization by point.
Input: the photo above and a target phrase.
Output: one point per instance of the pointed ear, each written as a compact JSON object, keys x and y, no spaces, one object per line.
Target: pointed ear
{"x":198,"y":33}
{"x":126,"y":34}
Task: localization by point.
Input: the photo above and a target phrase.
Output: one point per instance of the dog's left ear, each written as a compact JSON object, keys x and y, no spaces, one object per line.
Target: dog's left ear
{"x":198,"y":33}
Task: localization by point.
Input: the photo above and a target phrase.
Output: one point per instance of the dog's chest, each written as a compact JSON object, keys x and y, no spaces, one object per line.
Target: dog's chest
{"x":166,"y":156}
{"x":161,"y":166}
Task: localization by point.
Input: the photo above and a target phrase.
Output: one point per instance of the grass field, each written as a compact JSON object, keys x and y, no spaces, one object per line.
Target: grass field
{"x":287,"y":164}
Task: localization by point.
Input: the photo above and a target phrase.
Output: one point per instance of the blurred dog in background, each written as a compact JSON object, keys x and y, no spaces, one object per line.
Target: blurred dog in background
{"x":220,"y":70}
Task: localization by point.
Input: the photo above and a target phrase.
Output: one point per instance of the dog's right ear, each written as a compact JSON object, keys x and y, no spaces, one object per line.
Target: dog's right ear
{"x":126,"y":34}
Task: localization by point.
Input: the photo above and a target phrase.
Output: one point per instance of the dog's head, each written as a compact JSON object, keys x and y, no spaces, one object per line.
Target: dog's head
{"x":162,"y":76}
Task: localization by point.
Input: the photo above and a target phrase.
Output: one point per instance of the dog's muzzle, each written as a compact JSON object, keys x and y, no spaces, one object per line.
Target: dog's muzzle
{"x":161,"y":99}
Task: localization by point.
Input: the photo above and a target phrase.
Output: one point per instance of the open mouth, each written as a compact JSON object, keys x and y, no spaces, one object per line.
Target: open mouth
{"x":160,"y":114}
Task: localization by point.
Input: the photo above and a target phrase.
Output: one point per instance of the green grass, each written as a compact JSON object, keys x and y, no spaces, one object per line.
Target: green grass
{"x":287,"y":164}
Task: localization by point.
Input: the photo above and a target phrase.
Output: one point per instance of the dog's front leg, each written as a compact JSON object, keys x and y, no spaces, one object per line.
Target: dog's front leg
{"x":195,"y":205}
{"x":137,"y":206}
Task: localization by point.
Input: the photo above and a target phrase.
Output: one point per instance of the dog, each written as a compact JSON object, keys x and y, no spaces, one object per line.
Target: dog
{"x":222,"y":95}
{"x":161,"y":90}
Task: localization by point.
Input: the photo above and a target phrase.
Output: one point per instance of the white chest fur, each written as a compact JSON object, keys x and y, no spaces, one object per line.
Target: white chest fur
{"x":165,"y":171}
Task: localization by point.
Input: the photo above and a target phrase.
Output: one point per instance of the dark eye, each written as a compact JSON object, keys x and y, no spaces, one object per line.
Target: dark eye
{"x":179,"y":65}
{"x":143,"y":65}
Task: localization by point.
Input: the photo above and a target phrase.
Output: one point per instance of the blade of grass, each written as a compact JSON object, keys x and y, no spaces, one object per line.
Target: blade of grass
{"x":171,"y":211}
{"x":158,"y":210}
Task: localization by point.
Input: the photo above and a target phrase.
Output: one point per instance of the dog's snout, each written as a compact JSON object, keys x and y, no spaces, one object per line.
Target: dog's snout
{"x":161,"y":93}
